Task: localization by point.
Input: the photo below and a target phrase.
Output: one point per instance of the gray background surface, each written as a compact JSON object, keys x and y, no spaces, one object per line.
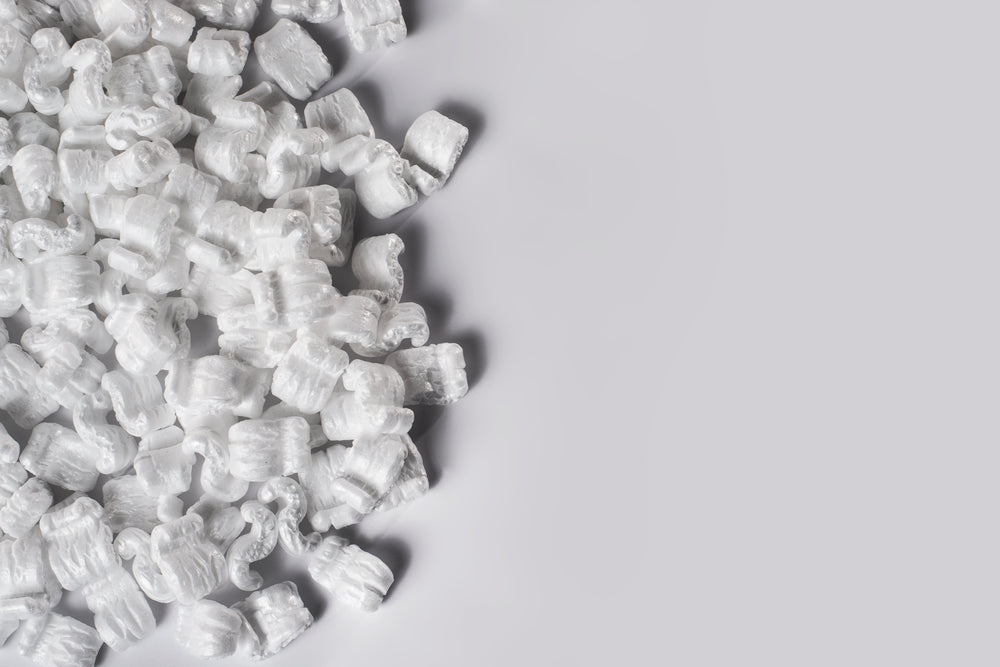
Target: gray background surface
{"x":727,"y":274}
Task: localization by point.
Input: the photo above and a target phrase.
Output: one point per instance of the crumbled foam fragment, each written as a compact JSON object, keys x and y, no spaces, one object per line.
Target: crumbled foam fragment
{"x":192,"y":566}
{"x":121,"y":613}
{"x":53,"y":640}
{"x":433,"y":145}
{"x":311,"y":11}
{"x":433,"y":375}
{"x":25,"y":507}
{"x":260,"y":449}
{"x":274,"y":617}
{"x":293,"y":59}
{"x":208,"y":629}
{"x":373,"y":24}
{"x":59,"y":456}
{"x":350,"y":574}
{"x":28,"y":587}
{"x":252,"y":547}
{"x":79,"y":542}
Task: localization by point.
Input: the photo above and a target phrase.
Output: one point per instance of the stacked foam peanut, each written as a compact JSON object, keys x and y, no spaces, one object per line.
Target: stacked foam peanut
{"x":142,"y":189}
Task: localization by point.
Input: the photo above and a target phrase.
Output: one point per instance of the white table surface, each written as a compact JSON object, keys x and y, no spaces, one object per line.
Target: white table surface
{"x":726,"y":274}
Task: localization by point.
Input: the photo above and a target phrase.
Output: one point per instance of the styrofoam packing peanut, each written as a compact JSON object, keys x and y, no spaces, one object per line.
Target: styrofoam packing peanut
{"x":433,"y":145}
{"x":280,"y":236}
{"x":59,"y":456}
{"x":214,"y":385}
{"x":45,"y":74}
{"x":381,"y":177}
{"x":370,"y":468}
{"x":293,"y":59}
{"x":70,"y":374}
{"x":58,"y":641}
{"x":342,"y":117}
{"x":221,"y":243}
{"x":145,"y":236}
{"x":78,"y":326}
{"x":308,"y":373}
{"x":28,"y":586}
{"x":375,"y":263}
{"x":237,"y":14}
{"x":171,"y":276}
{"x":311,"y":11}
{"x":169,"y":24}
{"x":252,"y":547}
{"x":293,"y":295}
{"x":56,"y":283}
{"x":193,"y":192}
{"x":279,"y":114}
{"x":143,"y":163}
{"x":192,"y":566}
{"x":32,"y":128}
{"x":127,"y":505}
{"x":121,"y":613}
{"x":35,"y":174}
{"x":215,"y":293}
{"x":223,"y":148}
{"x":259,"y":348}
{"x":87,"y":101}
{"x":223,"y":521}
{"x":25,"y":507}
{"x":20,"y":396}
{"x":208,"y":629}
{"x":396,"y":323}
{"x":281,"y":409}
{"x":150,"y":333}
{"x":134,"y":544}
{"x":218,"y":52}
{"x":373,"y":24}
{"x":162,"y":464}
{"x":205,"y":90}
{"x":274,"y":617}
{"x":15,"y":54}
{"x":124,"y":24}
{"x":31,"y":236}
{"x":115,"y":446}
{"x":293,"y":161}
{"x":352,"y":575}
{"x":330,"y":212}
{"x":10,"y":449}
{"x":12,"y":476}
{"x":79,"y":542}
{"x":11,"y":275}
{"x":138,"y":402}
{"x":162,"y":118}
{"x":260,"y":449}
{"x":412,"y":482}
{"x":291,"y":500}
{"x":434,"y":374}
{"x":368,"y":402}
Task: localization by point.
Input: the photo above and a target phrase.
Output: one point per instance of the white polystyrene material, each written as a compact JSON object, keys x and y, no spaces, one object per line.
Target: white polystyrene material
{"x":28,"y":587}
{"x":293,"y":59}
{"x":192,"y":566}
{"x":208,"y":629}
{"x":135,"y":169}
{"x":53,"y":640}
{"x":291,"y":500}
{"x":79,"y":542}
{"x":373,"y":24}
{"x":252,"y":547}
{"x":350,"y":574}
{"x":274,"y":617}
